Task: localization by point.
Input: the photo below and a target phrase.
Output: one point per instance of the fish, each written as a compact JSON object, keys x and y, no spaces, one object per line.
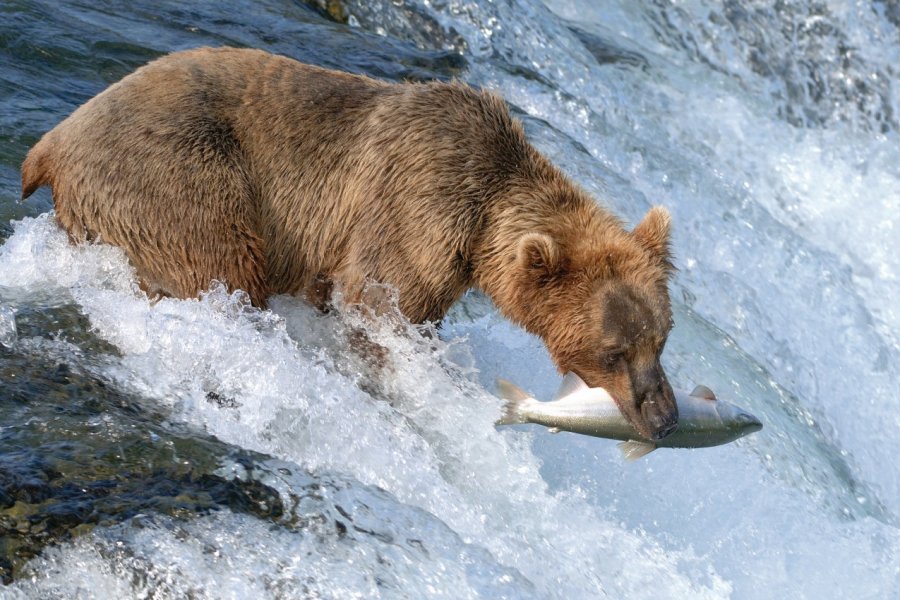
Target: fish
{"x":703,"y":420}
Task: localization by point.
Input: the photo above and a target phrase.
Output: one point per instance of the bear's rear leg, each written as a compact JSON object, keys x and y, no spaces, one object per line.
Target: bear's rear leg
{"x":186,"y":270}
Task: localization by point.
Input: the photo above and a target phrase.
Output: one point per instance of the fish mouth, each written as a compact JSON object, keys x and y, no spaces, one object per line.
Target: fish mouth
{"x":748,"y":423}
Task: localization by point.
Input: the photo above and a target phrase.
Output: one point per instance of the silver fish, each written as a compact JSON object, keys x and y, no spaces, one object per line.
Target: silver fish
{"x":703,"y":420}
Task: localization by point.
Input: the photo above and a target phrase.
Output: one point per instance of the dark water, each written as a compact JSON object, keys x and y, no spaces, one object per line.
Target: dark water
{"x":57,"y":55}
{"x":203,"y":449}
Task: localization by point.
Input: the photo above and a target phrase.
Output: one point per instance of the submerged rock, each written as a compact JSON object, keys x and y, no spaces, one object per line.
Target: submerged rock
{"x":333,"y":8}
{"x":77,"y":454}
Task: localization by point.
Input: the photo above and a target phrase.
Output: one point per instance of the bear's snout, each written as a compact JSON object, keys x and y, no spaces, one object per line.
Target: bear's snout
{"x":661,"y":422}
{"x":658,"y":410}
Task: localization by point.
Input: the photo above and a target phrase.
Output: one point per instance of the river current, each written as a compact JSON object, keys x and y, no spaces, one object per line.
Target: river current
{"x":206,"y":449}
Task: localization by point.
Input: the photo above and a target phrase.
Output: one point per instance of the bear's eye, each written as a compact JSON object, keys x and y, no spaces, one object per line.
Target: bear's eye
{"x":612,"y":359}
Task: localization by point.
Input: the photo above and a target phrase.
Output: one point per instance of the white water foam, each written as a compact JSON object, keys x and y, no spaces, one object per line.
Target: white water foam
{"x":339,"y":540}
{"x":8,"y":333}
{"x":787,"y":237}
{"x":435,"y":447}
{"x":761,"y":208}
{"x":786,"y":242}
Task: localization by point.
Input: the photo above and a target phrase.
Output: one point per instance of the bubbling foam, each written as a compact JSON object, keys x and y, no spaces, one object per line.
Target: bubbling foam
{"x":294,"y":392}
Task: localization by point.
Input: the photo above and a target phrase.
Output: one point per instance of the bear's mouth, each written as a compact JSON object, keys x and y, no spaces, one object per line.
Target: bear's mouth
{"x":648,"y":418}
{"x":659,"y":420}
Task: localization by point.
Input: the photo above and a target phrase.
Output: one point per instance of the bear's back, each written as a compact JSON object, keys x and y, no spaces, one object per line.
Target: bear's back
{"x":270,"y":174}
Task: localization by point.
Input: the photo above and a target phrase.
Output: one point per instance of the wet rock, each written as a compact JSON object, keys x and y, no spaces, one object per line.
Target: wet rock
{"x":606,"y":52}
{"x":76,"y":453}
{"x":405,"y":21}
{"x":333,"y":8}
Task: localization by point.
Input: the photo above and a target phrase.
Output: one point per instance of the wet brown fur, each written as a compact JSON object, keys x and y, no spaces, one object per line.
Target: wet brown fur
{"x":279,"y":177}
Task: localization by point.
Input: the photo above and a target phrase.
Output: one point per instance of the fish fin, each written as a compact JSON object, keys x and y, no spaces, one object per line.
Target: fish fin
{"x":633,"y":449}
{"x":515,"y":399}
{"x":510,"y":391}
{"x":554,"y":430}
{"x":701,"y":391}
{"x":571,"y":383}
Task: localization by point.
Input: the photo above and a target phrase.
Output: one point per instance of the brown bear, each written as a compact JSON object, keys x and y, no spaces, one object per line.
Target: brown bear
{"x":279,"y":177}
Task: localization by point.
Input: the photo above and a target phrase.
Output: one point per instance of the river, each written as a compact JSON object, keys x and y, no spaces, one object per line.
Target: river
{"x":207,"y":449}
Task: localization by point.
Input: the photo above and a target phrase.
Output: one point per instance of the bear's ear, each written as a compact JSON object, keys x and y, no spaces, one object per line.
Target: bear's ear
{"x":653,"y":234}
{"x":539,"y":253}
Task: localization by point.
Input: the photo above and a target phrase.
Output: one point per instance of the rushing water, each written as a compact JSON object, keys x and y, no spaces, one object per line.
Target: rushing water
{"x":206,"y":449}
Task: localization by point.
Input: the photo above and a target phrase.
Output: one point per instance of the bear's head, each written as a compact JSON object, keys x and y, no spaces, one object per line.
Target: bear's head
{"x":598,"y":296}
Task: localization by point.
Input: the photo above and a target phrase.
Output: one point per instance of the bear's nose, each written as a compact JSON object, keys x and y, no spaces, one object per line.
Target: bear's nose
{"x":660,"y":422}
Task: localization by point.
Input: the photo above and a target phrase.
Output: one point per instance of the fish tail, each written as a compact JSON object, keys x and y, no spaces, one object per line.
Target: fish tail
{"x":516,"y":399}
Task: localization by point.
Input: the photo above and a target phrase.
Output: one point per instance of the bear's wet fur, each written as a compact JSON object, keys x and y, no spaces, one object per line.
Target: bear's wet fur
{"x":279,"y":177}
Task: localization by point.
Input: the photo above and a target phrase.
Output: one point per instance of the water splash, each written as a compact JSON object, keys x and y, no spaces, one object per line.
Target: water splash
{"x":338,"y":539}
{"x":783,"y":187}
{"x":8,"y":333}
{"x":427,"y":438}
